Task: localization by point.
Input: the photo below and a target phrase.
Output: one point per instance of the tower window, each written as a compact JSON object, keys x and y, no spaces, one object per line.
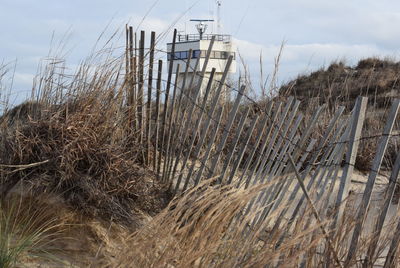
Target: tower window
{"x":182,"y":55}
{"x":196,"y":54}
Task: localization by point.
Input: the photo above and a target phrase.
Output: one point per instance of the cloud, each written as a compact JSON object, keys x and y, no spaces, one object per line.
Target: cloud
{"x":301,"y":58}
{"x":310,"y":21}
{"x":24,"y":80}
{"x":316,"y":32}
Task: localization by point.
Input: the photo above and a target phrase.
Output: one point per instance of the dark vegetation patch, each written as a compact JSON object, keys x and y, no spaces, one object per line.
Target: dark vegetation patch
{"x":89,"y":158}
{"x":340,"y":85}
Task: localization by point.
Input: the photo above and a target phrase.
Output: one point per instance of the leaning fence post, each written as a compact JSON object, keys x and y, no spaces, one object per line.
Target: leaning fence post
{"x":355,"y":133}
{"x":376,"y":165}
{"x":141,"y":87}
{"x":315,"y":212}
{"x":165,"y":110}
{"x":149,"y":91}
{"x":156,"y":163}
{"x":393,"y":180}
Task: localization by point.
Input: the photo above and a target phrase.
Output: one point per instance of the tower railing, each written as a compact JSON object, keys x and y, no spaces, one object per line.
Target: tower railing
{"x":197,"y":37}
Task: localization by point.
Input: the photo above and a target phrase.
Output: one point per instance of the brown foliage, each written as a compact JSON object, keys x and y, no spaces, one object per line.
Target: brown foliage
{"x":93,"y":159}
{"x":340,"y":85}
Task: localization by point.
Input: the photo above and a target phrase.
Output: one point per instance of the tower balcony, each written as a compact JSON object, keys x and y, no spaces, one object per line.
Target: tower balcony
{"x":197,"y":37}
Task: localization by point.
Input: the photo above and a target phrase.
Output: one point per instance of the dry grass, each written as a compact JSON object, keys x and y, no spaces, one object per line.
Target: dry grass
{"x":75,"y":140}
{"x":29,"y":228}
{"x":205,"y":228}
{"x":339,"y":85}
{"x":78,"y":126}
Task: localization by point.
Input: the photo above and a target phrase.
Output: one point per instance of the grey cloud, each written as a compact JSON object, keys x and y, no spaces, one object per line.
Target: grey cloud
{"x":316,"y":31}
{"x":300,"y":59}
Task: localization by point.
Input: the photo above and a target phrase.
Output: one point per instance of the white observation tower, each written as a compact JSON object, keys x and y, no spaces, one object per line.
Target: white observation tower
{"x":198,"y":44}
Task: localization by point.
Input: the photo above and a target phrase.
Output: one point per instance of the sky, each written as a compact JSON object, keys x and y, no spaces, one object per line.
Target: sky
{"x":314,"y":33}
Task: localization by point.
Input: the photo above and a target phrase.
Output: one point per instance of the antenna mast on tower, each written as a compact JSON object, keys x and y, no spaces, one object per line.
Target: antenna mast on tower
{"x":201,"y":26}
{"x":218,"y":16}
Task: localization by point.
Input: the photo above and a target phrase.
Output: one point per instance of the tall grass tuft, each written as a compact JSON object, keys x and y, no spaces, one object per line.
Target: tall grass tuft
{"x":27,"y":228}
{"x":207,"y":227}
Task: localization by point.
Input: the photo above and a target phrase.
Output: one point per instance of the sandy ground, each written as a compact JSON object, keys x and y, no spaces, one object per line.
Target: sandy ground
{"x":95,"y":244}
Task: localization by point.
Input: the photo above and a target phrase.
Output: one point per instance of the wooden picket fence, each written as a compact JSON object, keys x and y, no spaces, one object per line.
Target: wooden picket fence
{"x":189,"y":137}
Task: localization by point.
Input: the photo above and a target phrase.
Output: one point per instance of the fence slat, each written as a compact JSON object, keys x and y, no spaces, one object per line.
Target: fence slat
{"x":269,"y":160}
{"x":308,"y":131}
{"x":355,"y":132}
{"x":226,"y":129}
{"x":330,"y":162}
{"x":267,"y":196}
{"x":179,"y":118}
{"x":195,"y":130}
{"x":156,"y":162}
{"x":394,"y":245}
{"x":242,"y":150}
{"x":320,"y":148}
{"x":280,"y":193}
{"x":170,"y":117}
{"x":341,"y":146}
{"x":166,"y":100}
{"x":132,"y":75}
{"x":393,"y":181}
{"x":149,"y":95}
{"x":257,"y":144}
{"x":139,"y":101}
{"x":303,"y":176}
{"x":192,"y":104}
{"x":282,"y":161}
{"x":324,"y":165}
{"x":209,"y":148}
{"x":234,"y":144}
{"x":298,"y":152}
{"x":276,"y":156}
{"x":315,"y":213}
{"x":376,"y":165}
{"x":199,"y":145}
{"x":265,"y":153}
{"x":213,"y":107}
{"x":321,"y":165}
